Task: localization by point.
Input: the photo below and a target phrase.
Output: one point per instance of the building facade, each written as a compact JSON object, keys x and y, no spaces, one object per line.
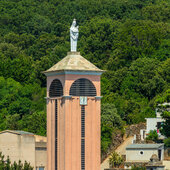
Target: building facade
{"x":24,"y":146}
{"x":140,"y":154}
{"x":143,"y":152}
{"x":73,"y":114}
{"x":155,"y":123}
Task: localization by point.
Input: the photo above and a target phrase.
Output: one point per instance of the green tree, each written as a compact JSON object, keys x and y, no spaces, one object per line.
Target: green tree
{"x":115,"y":160}
{"x":164,"y":70}
{"x":23,"y":41}
{"x":143,"y":78}
{"x":35,"y":123}
{"x":152,"y":135}
{"x":12,"y":122}
{"x":109,"y":116}
{"x":167,"y":142}
{"x":127,"y":38}
{"x":15,"y":63}
{"x":106,"y":137}
{"x":162,"y":97}
{"x":7,"y":165}
{"x":22,"y":102}
{"x":97,"y":40}
{"x":157,"y":12}
{"x":166,"y":125}
{"x":110,"y":121}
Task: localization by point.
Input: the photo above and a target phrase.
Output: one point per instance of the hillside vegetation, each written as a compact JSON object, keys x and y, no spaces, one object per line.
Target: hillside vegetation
{"x":128,"y":38}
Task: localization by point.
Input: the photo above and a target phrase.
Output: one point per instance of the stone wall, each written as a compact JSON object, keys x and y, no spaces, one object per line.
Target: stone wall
{"x":167,"y":153}
{"x":135,"y":129}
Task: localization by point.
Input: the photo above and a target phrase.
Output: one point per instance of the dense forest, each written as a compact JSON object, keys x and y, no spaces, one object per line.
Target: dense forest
{"x":128,"y":38}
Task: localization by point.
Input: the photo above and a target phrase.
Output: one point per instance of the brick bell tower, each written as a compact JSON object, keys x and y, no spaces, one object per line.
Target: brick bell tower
{"x":73,"y":114}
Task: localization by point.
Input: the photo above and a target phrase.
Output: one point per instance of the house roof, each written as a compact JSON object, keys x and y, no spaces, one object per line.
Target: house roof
{"x":38,"y":138}
{"x":73,"y":62}
{"x":144,"y":146}
{"x":18,"y":132}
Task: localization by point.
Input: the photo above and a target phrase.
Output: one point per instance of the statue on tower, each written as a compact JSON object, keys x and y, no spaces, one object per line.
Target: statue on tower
{"x":74,"y":32}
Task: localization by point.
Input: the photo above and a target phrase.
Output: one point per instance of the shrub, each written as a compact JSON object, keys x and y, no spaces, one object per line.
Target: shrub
{"x":167,"y":142}
{"x":115,"y":160}
{"x":152,"y":135}
{"x":7,"y":165}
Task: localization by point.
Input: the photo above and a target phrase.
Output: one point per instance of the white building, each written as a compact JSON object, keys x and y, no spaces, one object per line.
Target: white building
{"x":155,"y":123}
{"x":140,"y":154}
{"x":143,"y":152}
{"x":24,"y":146}
{"x":151,"y":125}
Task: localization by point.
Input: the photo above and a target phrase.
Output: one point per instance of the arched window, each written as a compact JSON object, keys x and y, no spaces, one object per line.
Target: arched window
{"x":56,"y":88}
{"x":82,"y":87}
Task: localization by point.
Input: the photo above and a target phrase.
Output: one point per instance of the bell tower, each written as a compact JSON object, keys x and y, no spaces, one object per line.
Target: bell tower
{"x":73,"y":114}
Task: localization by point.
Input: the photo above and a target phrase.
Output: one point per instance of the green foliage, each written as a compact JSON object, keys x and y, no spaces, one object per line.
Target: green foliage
{"x":167,"y":142}
{"x":163,"y":97}
{"x":138,"y":168}
{"x":110,"y":117}
{"x":164,"y":71}
{"x":110,"y":121}
{"x":6,"y":164}
{"x":143,"y":78}
{"x":106,"y":137}
{"x":93,"y":33}
{"x":115,"y":160}
{"x":35,"y":123}
{"x":127,"y":38}
{"x":20,"y":105}
{"x":166,"y":125}
{"x":152,"y":135}
{"x":157,"y":12}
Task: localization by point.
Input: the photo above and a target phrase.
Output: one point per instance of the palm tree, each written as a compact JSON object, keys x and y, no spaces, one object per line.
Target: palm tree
{"x":115,"y":160}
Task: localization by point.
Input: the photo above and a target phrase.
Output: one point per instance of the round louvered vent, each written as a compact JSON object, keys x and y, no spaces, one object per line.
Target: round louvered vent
{"x":82,"y":87}
{"x":56,"y":88}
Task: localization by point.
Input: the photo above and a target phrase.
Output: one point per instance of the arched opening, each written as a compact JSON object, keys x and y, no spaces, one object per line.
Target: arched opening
{"x":82,"y":87}
{"x":56,"y":88}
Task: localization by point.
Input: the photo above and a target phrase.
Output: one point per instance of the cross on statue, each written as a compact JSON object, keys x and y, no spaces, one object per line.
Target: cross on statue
{"x":74,"y":32}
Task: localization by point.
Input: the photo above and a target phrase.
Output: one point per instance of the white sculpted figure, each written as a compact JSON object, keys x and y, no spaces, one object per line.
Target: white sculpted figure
{"x":74,"y":32}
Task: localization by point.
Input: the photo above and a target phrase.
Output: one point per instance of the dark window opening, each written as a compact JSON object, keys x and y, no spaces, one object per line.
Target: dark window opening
{"x":82,"y":121}
{"x":82,"y":87}
{"x":82,"y":154}
{"x":82,"y":137}
{"x":159,"y":154}
{"x":41,"y":148}
{"x":141,"y":152}
{"x":56,"y":88}
{"x":56,"y":133}
{"x":159,"y":125}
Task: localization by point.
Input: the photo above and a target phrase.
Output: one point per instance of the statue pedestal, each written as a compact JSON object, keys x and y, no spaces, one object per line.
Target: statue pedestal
{"x":73,"y":53}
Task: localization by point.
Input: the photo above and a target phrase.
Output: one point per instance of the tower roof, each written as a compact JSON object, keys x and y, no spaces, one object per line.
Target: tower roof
{"x":73,"y":62}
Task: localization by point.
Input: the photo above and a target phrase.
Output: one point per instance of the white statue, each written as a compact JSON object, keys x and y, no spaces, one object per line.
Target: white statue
{"x":74,"y":32}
